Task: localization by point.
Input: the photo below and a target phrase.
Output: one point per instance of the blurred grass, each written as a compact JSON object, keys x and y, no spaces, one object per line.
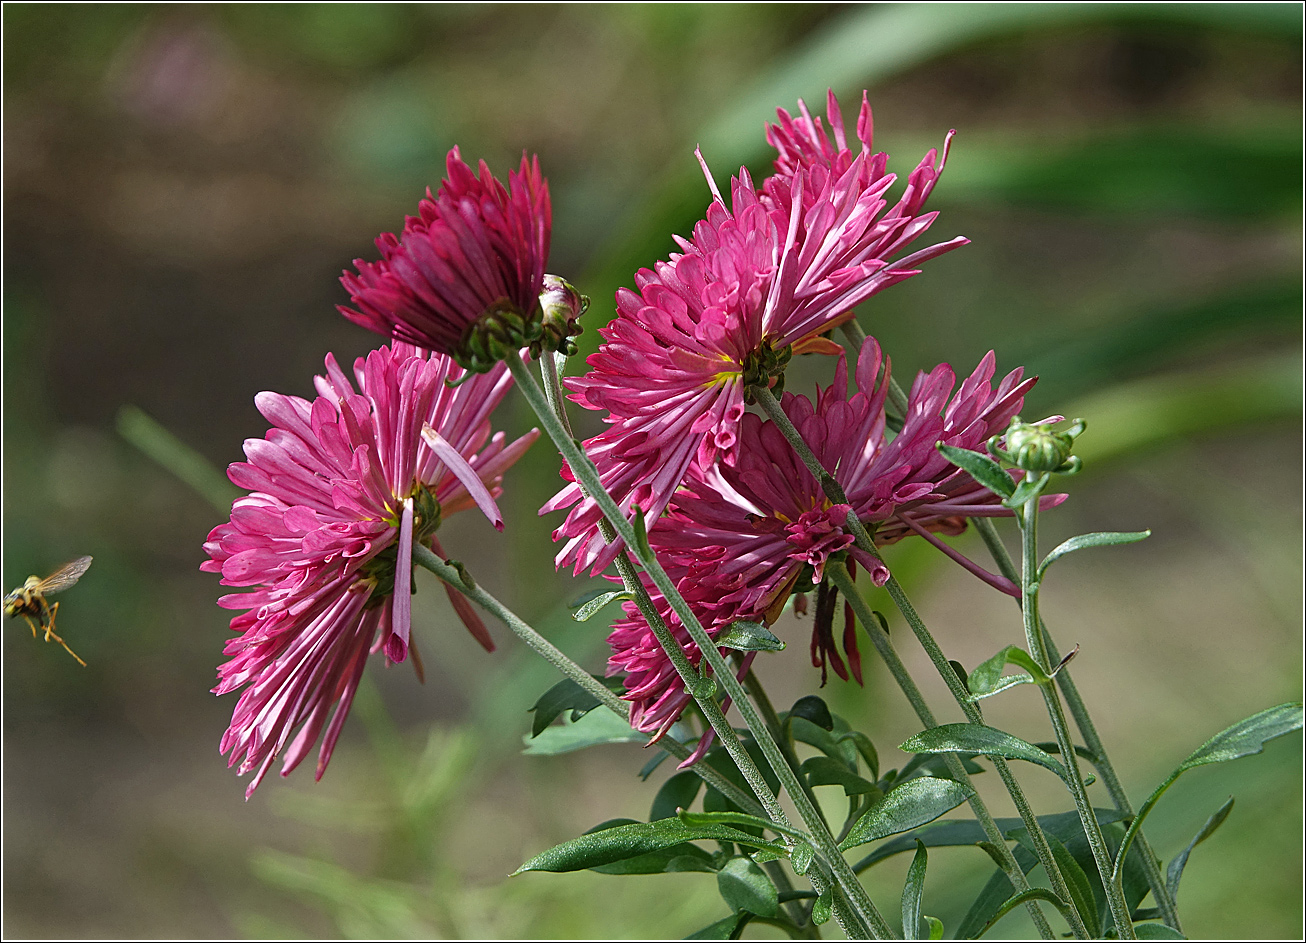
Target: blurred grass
{"x":182,"y":187}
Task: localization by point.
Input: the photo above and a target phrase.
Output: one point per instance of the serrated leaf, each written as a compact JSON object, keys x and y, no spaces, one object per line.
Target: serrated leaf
{"x":678,"y":792}
{"x":824,"y":907}
{"x":1176,"y":869}
{"x":749,"y":637}
{"x":589,"y":604}
{"x":746,"y":888}
{"x":826,"y":771}
{"x":980,"y":467}
{"x":633,"y":839}
{"x":974,"y":738}
{"x":1087,"y":541}
{"x":813,"y":709}
{"x":594,"y":728}
{"x":912,"y":890}
{"x":904,"y":807}
{"x":721,"y":930}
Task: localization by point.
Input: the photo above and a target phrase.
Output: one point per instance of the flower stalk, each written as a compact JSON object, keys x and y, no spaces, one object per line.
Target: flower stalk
{"x":588,"y":477}
{"x":457,"y":577}
{"x":771,"y":406}
{"x":1035,"y":638}
{"x":1088,"y":732}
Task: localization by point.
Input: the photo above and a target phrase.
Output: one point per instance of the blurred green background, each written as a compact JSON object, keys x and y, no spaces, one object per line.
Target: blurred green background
{"x":183,"y":185}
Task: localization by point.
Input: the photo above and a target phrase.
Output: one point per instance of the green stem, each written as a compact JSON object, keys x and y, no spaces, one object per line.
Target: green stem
{"x":753,"y":685}
{"x":1088,"y":731}
{"x":587,"y":476}
{"x":864,"y":542}
{"x":461,"y":581}
{"x":1034,"y":637}
{"x":838,"y":573}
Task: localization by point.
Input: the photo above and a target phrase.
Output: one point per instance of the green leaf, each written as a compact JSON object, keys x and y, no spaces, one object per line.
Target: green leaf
{"x":1246,"y":737}
{"x":932,"y":764}
{"x":826,"y":771}
{"x":1157,"y":931}
{"x":1028,"y":488}
{"x":801,"y":857}
{"x":904,"y":807}
{"x":592,"y":729}
{"x":1034,"y":893}
{"x":813,"y":709}
{"x":1176,"y":869}
{"x":911,"y":894}
{"x":827,"y":742}
{"x":980,"y":467}
{"x":1078,"y":884}
{"x":695,"y":819}
{"x":936,"y":927}
{"x":986,"y":679}
{"x":675,"y":858}
{"x":746,"y":887}
{"x":953,"y":833}
{"x":721,"y":930}
{"x":566,"y":695}
{"x":1086,"y":541}
{"x":975,"y":738}
{"x":676,"y":793}
{"x":632,"y":839}
{"x":865,"y":749}
{"x":823,"y":909}
{"x":1242,"y":739}
{"x":749,"y":637}
{"x":590,"y":603}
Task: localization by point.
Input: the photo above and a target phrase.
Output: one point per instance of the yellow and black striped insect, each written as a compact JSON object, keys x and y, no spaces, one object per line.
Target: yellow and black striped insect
{"x":29,"y":602}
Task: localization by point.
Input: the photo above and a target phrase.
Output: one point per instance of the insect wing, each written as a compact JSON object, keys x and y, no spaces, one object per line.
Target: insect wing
{"x":65,"y":576}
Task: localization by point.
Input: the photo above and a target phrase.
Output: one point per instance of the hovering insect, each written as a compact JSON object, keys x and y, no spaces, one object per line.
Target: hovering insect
{"x":29,"y":602}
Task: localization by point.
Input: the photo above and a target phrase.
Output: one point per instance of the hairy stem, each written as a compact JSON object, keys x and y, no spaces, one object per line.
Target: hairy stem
{"x":869,"y":921}
{"x":1088,"y":731}
{"x":1038,"y":649}
{"x":864,"y":541}
{"x":459,"y":580}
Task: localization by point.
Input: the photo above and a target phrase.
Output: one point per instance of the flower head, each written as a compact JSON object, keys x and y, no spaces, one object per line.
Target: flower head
{"x":341,"y":487}
{"x":741,"y":538}
{"x":464,"y":276}
{"x":760,"y":280}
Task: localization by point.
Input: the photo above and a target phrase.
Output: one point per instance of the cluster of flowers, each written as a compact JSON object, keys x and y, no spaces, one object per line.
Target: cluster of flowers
{"x":343,"y":486}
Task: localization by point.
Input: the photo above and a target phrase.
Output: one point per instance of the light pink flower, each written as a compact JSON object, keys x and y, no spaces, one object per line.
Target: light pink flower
{"x":761,"y":279}
{"x":464,"y":276}
{"x":341,"y":487}
{"x":740,"y":539}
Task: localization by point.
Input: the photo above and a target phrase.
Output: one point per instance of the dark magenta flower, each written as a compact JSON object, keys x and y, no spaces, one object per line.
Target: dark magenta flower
{"x":340,"y":488}
{"x":762,"y":279}
{"x":741,"y":538}
{"x":464,"y":276}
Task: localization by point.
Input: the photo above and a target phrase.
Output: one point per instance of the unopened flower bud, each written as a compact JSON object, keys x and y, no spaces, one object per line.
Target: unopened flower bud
{"x":1036,"y":447}
{"x":563,"y":306}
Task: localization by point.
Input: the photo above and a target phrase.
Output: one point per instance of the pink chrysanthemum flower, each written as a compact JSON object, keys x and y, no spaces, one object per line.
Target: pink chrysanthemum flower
{"x":341,"y":487}
{"x":464,"y":276}
{"x":760,"y":280}
{"x":740,"y":539}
